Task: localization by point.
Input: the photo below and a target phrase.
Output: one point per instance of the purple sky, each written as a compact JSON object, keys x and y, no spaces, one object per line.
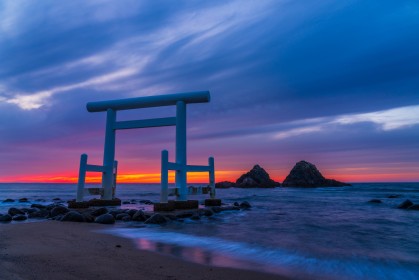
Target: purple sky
{"x":335,"y":83}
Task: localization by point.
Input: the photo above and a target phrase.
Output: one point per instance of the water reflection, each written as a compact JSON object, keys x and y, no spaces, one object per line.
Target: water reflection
{"x":194,"y":254}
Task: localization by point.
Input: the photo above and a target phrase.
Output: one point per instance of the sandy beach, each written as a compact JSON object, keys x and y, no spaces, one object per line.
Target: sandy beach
{"x":59,"y":250}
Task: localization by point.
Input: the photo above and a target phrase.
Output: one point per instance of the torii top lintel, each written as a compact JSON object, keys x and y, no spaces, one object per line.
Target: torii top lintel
{"x":149,"y":101}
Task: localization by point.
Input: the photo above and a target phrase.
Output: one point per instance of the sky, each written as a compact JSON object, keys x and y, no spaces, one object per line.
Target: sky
{"x":335,"y":83}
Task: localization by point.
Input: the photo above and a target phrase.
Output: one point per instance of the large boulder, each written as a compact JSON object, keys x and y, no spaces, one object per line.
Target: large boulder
{"x":14,"y":211}
{"x":139,"y":216}
{"x":43,"y":213}
{"x":306,"y":175}
{"x":58,"y":210}
{"x":256,"y":178}
{"x":19,"y":217}
{"x":5,"y":218}
{"x":105,"y":219}
{"x":156,"y":219}
{"x":73,"y":216}
{"x":99,"y":211}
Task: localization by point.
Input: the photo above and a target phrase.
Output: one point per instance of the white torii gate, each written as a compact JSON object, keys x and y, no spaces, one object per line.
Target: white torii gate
{"x":109,"y":167}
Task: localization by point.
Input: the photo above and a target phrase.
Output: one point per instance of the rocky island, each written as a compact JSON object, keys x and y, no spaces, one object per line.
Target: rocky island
{"x":257,"y":177}
{"x":305,"y":174}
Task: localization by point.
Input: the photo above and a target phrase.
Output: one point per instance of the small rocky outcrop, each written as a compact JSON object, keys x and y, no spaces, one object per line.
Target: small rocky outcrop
{"x":405,"y":204}
{"x":375,"y":200}
{"x":414,"y":207}
{"x":306,"y":175}
{"x":256,"y":178}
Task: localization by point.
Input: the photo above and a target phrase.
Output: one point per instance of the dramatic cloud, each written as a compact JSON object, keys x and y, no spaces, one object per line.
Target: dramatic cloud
{"x":334,"y":82}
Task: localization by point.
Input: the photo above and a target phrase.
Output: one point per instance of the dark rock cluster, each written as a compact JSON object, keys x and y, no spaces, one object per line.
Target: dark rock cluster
{"x":103,"y":215}
{"x":303,"y":174}
{"x":306,"y":175}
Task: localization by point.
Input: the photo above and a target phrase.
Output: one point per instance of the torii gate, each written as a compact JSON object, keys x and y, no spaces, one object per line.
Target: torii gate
{"x":109,"y":167}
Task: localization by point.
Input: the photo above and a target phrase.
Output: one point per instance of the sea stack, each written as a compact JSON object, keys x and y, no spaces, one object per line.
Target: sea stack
{"x":256,"y":178}
{"x":305,"y":174}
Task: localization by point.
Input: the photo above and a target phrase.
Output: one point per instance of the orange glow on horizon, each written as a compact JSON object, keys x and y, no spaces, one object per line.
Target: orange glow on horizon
{"x":224,"y":175}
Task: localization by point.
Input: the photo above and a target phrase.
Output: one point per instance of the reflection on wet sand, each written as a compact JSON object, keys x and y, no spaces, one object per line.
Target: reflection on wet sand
{"x":193,"y":254}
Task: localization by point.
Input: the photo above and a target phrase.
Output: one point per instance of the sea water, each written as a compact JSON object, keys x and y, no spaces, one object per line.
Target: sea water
{"x":318,"y":233}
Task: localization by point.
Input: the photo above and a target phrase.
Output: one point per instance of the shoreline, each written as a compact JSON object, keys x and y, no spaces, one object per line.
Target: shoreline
{"x":66,"y":250}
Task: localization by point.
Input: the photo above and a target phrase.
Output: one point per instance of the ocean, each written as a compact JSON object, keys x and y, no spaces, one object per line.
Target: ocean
{"x":318,"y":233}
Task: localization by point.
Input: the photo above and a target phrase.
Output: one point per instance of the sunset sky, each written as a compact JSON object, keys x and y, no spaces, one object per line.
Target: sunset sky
{"x":335,"y":83}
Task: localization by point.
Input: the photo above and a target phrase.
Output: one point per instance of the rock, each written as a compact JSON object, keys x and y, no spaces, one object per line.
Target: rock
{"x":131,"y":212}
{"x":229,"y":208}
{"x":225,"y":185}
{"x":414,"y":207}
{"x":116,"y":212}
{"x":206,"y":212}
{"x":185,"y":214}
{"x":19,"y":217}
{"x":126,"y":218}
{"x":58,"y":210}
{"x":56,"y":199}
{"x":245,"y":205}
{"x":14,"y":211}
{"x":394,"y":196}
{"x":24,"y":199}
{"x":306,"y":175}
{"x":375,"y":200}
{"x":195,"y":217}
{"x":43,"y":213}
{"x":5,"y":218}
{"x":30,"y":210}
{"x":39,"y":206}
{"x":236,"y":204}
{"x":147,"y":202}
{"x":216,"y":209}
{"x":8,"y":200}
{"x":105,"y":219}
{"x":256,"y":178}
{"x":156,"y":219}
{"x":405,"y":204}
{"x":88,"y":218}
{"x":73,"y":216}
{"x":121,"y":216}
{"x":139,"y":216}
{"x":99,"y":211}
{"x":171,"y":217}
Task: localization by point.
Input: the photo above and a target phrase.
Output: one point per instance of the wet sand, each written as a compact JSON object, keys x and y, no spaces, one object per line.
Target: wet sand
{"x":66,"y":251}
